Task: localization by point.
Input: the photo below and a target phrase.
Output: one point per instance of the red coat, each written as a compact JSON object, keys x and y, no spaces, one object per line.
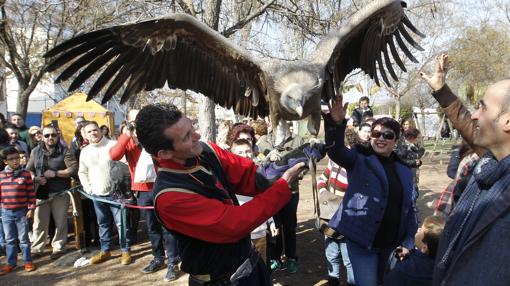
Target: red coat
{"x":214,"y":221}
{"x":126,"y":146}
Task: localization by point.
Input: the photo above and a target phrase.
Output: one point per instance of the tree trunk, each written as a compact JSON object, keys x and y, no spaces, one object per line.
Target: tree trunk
{"x":397,"y":106}
{"x":423,"y":127}
{"x":24,"y":91}
{"x":207,"y":116}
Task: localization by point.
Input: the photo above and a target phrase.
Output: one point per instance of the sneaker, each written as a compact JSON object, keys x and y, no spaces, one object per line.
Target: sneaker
{"x":29,"y":267}
{"x":292,"y":265}
{"x":6,"y":269}
{"x":154,"y":266}
{"x":125,"y":258}
{"x":275,"y":265}
{"x":171,"y":274}
{"x":100,"y":257}
{"x":56,"y":254}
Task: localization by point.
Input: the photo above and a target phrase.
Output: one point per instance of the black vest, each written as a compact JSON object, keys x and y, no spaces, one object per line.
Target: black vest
{"x":200,"y":257}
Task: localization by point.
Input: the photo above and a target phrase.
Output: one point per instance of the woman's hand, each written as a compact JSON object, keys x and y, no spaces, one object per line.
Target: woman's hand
{"x":336,"y":110}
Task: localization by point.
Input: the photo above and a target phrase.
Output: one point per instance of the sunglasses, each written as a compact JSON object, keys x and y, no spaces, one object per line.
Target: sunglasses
{"x":50,"y":135}
{"x":388,"y":135}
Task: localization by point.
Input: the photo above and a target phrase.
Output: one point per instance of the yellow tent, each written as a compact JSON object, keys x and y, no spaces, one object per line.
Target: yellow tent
{"x":74,"y":106}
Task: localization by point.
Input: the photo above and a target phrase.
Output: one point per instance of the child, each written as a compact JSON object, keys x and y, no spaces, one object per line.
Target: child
{"x":417,"y":265}
{"x":17,"y":200}
{"x":243,"y":148}
{"x":410,"y":152}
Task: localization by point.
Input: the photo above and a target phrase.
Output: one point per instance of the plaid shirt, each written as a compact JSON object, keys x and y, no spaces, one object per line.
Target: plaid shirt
{"x":447,"y":199}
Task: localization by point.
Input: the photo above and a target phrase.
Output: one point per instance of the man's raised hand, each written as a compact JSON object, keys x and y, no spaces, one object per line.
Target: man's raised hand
{"x":437,"y":81}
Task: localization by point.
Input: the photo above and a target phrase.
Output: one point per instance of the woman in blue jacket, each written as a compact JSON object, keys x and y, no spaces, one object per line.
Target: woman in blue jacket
{"x":377,"y":213}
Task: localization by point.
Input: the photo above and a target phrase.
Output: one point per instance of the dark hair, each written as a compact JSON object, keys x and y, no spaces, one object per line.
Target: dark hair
{"x":11,"y":126}
{"x":241,"y":141}
{"x":412,"y":133}
{"x":365,"y":124}
{"x":87,"y":123}
{"x":77,"y":132}
{"x":364,"y":98}
{"x":238,"y":129}
{"x":389,"y":123}
{"x":151,"y":123}
{"x":432,"y":230}
{"x":9,"y":150}
{"x":407,"y":118}
{"x":4,"y":136}
{"x":2,"y":118}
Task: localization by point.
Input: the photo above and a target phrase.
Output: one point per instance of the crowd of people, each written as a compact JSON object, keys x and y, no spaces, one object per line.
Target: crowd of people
{"x":226,"y":212}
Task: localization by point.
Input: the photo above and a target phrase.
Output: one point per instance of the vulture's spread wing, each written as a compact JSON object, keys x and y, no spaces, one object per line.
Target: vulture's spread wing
{"x":369,"y":41}
{"x":178,"y":50}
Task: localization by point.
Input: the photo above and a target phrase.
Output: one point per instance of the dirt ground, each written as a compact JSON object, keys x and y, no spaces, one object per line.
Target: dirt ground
{"x":312,"y":269}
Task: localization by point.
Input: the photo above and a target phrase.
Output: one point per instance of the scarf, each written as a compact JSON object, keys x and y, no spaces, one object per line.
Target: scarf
{"x":489,"y":176}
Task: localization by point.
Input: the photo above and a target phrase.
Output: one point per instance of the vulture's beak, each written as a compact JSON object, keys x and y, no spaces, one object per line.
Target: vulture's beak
{"x":299,"y":111}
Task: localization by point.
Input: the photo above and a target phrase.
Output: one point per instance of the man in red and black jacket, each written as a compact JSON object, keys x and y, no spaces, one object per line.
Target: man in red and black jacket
{"x":128,"y":146}
{"x":194,"y":198}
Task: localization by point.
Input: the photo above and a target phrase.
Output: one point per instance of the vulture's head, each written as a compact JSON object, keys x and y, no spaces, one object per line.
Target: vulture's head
{"x":297,"y":89}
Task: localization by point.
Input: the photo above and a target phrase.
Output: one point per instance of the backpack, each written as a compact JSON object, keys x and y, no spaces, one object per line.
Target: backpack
{"x":121,"y":182}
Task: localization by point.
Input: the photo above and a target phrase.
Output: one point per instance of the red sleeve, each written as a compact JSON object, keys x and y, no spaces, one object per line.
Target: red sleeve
{"x":240,"y":172}
{"x":214,"y":221}
{"x":119,"y":149}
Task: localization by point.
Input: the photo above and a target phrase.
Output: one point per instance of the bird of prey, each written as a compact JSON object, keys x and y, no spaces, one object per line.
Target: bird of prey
{"x":184,"y":53}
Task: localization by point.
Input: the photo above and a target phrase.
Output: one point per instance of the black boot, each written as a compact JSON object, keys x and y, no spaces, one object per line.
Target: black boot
{"x":333,"y":281}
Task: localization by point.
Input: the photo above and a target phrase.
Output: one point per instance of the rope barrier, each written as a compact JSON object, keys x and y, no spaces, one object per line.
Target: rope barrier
{"x":123,"y":208}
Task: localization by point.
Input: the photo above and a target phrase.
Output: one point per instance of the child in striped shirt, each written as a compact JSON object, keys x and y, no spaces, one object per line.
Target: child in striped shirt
{"x":17,"y":203}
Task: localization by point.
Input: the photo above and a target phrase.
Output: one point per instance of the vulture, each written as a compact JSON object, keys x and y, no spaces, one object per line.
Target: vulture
{"x":180,"y":51}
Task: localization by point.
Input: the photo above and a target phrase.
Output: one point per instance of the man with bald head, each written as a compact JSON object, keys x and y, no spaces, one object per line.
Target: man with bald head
{"x":477,"y":233}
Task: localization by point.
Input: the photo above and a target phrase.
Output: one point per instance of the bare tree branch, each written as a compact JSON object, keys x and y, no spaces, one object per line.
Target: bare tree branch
{"x":239,"y":25}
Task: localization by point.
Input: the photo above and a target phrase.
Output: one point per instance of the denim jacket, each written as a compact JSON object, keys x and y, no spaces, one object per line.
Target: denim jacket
{"x":362,"y":210}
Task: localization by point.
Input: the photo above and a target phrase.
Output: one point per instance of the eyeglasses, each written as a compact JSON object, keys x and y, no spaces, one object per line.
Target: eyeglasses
{"x":12,"y":158}
{"x":388,"y":135}
{"x":50,"y":134}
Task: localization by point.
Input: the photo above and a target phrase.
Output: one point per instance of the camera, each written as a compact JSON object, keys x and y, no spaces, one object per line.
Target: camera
{"x":130,"y":127}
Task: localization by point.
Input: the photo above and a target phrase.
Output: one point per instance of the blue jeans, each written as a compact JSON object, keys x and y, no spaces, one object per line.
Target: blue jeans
{"x":368,"y":265}
{"x":15,"y":226}
{"x":2,"y":235}
{"x":334,"y":249}
{"x":106,"y":214}
{"x":158,"y":235}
